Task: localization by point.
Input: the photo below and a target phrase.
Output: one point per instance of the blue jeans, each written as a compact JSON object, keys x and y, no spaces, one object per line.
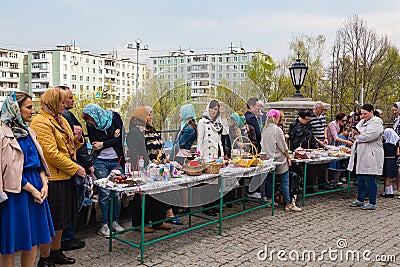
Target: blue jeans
{"x":69,"y":232}
{"x":102,"y":168}
{"x":266,"y":186}
{"x":367,"y":185}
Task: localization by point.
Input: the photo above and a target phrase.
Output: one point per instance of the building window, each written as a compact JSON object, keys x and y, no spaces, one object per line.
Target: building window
{"x":227,"y":59}
{"x":64,"y":57}
{"x":220,"y":59}
{"x":73,"y":77}
{"x":81,"y":78}
{"x":87,"y":79}
{"x":65,"y":76}
{"x":244,"y":58}
{"x":235,"y":59}
{"x":155,"y":61}
{"x":243,"y":67}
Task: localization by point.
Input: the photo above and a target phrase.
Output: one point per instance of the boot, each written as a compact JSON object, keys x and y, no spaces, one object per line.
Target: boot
{"x":58,"y":257}
{"x":45,"y":262}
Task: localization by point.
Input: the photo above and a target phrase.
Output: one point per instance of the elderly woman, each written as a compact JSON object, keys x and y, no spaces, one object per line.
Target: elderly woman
{"x":273,"y":143}
{"x":367,"y":156}
{"x":104,"y":128}
{"x":59,"y":146}
{"x":136,"y":141}
{"x":25,"y":219}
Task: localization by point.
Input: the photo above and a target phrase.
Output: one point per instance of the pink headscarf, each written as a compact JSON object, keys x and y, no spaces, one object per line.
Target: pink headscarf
{"x":273,"y":113}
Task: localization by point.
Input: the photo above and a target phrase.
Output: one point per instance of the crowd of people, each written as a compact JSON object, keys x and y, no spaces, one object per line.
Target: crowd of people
{"x":45,"y":163}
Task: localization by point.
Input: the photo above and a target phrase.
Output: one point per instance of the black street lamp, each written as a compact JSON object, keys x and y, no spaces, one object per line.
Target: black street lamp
{"x":298,"y":72}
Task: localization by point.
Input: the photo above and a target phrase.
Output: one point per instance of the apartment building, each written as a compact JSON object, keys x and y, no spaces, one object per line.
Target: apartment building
{"x":83,"y":72}
{"x":11,"y":67}
{"x":204,"y":72}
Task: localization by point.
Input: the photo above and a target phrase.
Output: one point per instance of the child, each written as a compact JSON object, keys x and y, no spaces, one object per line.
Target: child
{"x":340,"y":165}
{"x":391,"y":150}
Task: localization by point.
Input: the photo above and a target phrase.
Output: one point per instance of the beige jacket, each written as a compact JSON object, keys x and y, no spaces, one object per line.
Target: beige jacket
{"x":273,"y":143}
{"x":12,"y":160}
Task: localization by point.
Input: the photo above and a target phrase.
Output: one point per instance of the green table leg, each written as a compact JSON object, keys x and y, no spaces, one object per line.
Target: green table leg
{"x":273,"y":193}
{"x":304,"y":184}
{"x":221,"y":202}
{"x":111,"y":211}
{"x":143,"y":210}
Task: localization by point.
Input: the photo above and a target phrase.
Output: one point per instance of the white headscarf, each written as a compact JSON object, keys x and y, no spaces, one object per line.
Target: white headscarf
{"x":391,"y":136}
{"x":215,"y":122}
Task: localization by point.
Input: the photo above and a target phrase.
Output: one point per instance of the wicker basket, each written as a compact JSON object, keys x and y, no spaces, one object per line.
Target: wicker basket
{"x":247,"y":142}
{"x":213,"y":168}
{"x":194,"y":170}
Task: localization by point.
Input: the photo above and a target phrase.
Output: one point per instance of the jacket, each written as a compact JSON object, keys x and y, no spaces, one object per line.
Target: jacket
{"x":368,"y":148}
{"x":82,"y":154}
{"x":273,"y":143}
{"x":12,"y":160}
{"x":208,"y":139}
{"x":137,"y":146}
{"x":107,"y":137}
{"x":52,"y":138}
{"x":184,"y":139}
{"x":301,"y":134}
{"x":251,"y":120}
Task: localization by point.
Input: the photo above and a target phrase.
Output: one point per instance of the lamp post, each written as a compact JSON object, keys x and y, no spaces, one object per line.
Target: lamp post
{"x":298,"y":72}
{"x":137,"y":47}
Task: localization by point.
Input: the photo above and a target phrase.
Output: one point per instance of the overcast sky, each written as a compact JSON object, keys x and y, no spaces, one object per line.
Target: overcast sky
{"x":203,"y":26}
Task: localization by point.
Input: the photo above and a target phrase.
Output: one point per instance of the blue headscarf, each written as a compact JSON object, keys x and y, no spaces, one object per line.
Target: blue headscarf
{"x":187,"y":112}
{"x":239,"y":119}
{"x":11,"y":116}
{"x":102,"y":118}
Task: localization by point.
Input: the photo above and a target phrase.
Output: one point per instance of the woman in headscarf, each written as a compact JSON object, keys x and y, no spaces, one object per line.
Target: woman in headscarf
{"x":209,"y":145}
{"x":186,"y":135}
{"x":105,"y":131}
{"x":59,"y":148}
{"x":273,"y":143}
{"x":209,"y":132}
{"x":240,"y":128}
{"x":136,"y":141}
{"x":25,"y":219}
{"x":396,"y":128}
{"x":391,"y":152}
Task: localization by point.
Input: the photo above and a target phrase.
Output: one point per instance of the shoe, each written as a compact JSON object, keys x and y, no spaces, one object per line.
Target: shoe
{"x":72,"y":244}
{"x":58,"y":257}
{"x":175,"y":221}
{"x":255,"y":195}
{"x":269,"y":201}
{"x":357,"y":204}
{"x":104,"y":231}
{"x":45,"y":262}
{"x":162,"y":227}
{"x":146,"y":229}
{"x":343,"y":179}
{"x":209,"y":212}
{"x":368,"y":207}
{"x":387,"y":195}
{"x":292,"y":207}
{"x":117,"y":227}
{"x":396,"y":193}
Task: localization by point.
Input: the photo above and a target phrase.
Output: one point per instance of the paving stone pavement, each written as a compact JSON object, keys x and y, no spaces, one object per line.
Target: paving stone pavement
{"x":327,"y":225}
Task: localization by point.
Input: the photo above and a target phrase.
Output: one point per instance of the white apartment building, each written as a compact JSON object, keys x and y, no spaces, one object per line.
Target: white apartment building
{"x":11,"y":67}
{"x":203,"y":71}
{"x":83,"y":72}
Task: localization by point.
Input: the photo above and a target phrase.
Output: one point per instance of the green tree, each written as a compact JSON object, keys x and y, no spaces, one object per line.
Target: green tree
{"x":260,"y":71}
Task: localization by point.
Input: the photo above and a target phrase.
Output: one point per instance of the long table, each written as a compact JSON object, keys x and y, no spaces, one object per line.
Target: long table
{"x":318,"y":161}
{"x":226,"y":175}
